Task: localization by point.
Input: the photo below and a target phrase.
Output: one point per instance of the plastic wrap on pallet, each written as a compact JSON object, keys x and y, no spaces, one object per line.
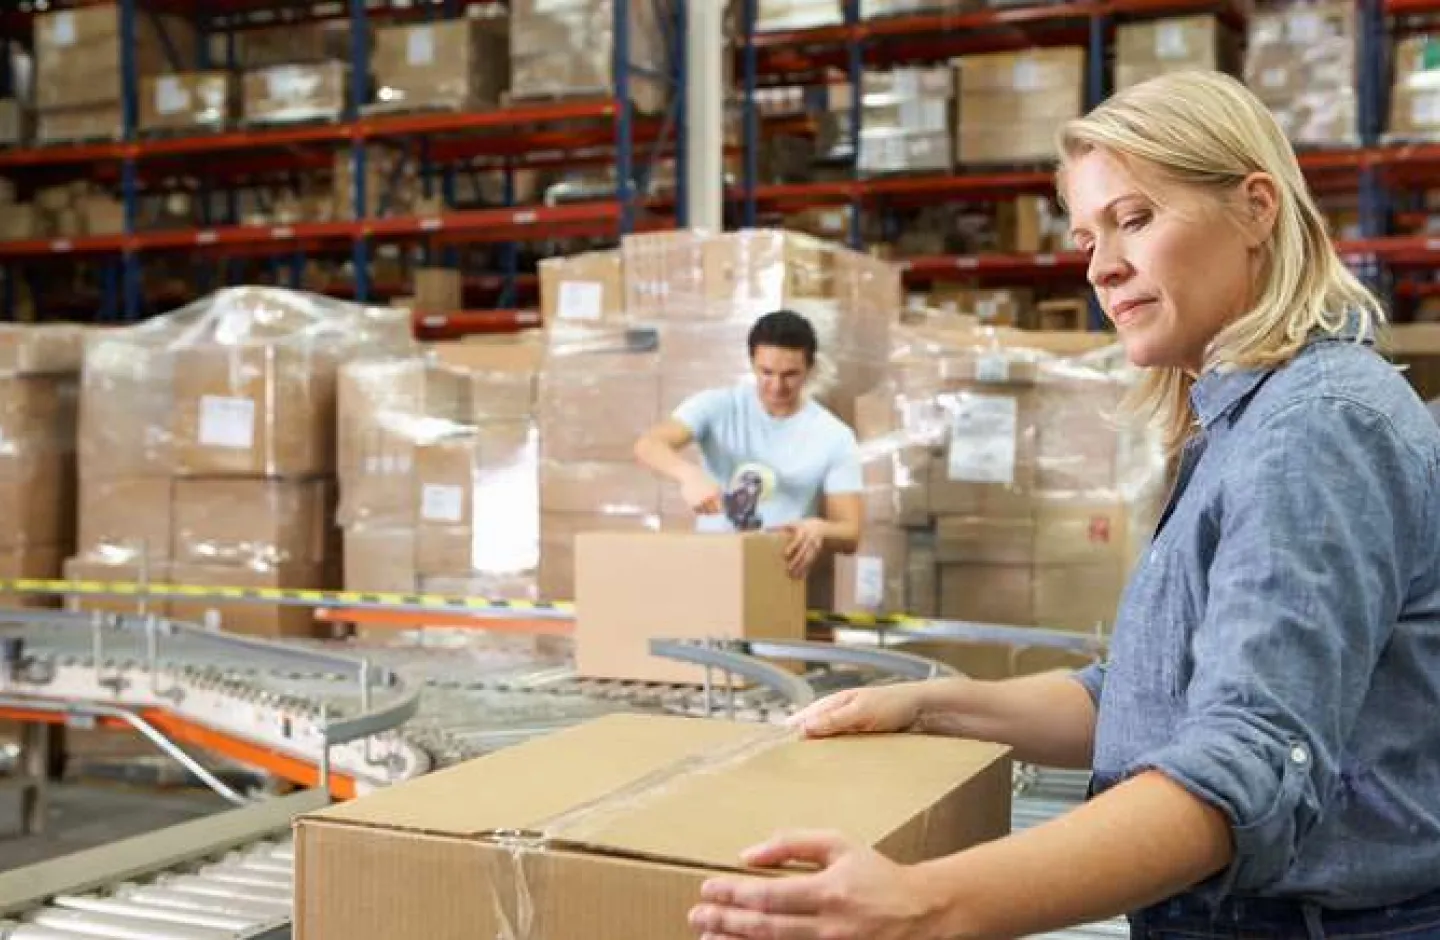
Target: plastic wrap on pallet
{"x":449,"y":64}
{"x":188,"y":101}
{"x":566,"y":49}
{"x":1415,"y":96}
{"x":1301,"y":60}
{"x":439,"y":471}
{"x":1007,"y":450}
{"x":288,"y":94}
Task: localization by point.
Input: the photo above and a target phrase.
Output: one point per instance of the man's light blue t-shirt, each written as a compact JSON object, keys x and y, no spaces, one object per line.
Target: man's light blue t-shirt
{"x":777,"y":468}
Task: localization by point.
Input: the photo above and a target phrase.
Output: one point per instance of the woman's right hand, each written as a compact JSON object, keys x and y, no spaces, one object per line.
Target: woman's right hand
{"x":873,"y":710}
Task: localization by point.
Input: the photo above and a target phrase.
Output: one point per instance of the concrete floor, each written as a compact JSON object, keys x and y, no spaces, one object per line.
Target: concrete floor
{"x":85,"y":815}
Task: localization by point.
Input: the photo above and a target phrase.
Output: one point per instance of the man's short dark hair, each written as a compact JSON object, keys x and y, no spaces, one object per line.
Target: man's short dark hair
{"x":787,"y":330}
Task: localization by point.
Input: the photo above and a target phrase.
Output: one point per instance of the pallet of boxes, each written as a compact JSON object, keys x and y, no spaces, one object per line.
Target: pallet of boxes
{"x":629,"y":336}
{"x":1001,"y":488}
{"x":39,"y":381}
{"x":207,"y":448}
{"x":439,"y":471}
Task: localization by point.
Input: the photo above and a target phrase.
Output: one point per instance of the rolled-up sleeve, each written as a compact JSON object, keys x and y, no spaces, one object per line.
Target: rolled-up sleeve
{"x":1304,"y":589}
{"x":1092,"y":678}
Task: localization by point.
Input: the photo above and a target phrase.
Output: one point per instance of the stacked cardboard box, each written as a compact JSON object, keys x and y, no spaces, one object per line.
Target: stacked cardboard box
{"x":39,"y":371}
{"x":1000,"y":486}
{"x":630,"y":337}
{"x":565,"y":49}
{"x":1151,"y":48}
{"x":905,"y":123}
{"x":1301,"y":61}
{"x":1010,"y":104}
{"x":454,"y":64}
{"x":208,"y":446}
{"x":392,"y":184}
{"x":15,"y":122}
{"x":798,"y":14}
{"x":188,"y":101}
{"x":439,"y":471}
{"x":77,"y":64}
{"x":295,"y":92}
{"x":1415,"y":95}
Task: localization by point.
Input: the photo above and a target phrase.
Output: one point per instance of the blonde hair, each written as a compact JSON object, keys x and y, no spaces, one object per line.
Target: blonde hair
{"x":1207,"y":132}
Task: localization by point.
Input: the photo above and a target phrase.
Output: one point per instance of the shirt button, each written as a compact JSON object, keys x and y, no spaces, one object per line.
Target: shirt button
{"x":1298,"y":755}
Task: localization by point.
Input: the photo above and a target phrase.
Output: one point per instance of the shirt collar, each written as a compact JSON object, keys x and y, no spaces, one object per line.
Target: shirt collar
{"x":1216,"y":393}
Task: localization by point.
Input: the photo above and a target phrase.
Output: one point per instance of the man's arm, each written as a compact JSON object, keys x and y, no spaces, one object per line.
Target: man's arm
{"x":659,"y":449}
{"x":844,"y":520}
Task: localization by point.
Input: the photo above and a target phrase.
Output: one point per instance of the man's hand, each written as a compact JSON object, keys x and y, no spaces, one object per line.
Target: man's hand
{"x":857,"y":895}
{"x":702,"y":494}
{"x":807,"y":538}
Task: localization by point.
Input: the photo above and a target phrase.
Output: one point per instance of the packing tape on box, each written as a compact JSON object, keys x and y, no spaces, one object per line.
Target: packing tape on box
{"x":901,"y":624}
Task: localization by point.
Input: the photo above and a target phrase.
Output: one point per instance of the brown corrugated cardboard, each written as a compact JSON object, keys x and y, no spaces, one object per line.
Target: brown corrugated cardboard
{"x":15,"y":123}
{"x":584,"y":289}
{"x":19,"y":222}
{"x":989,"y":540}
{"x":152,"y":572}
{"x":125,"y":518}
{"x":612,"y":488}
{"x":37,"y":426}
{"x":567,"y":49}
{"x":922,"y":582}
{"x":250,"y":618}
{"x":41,"y":562}
{"x":983,"y":593}
{"x":662,"y":804}
{"x":1077,"y":597}
{"x":263,"y":410}
{"x":632,"y":588}
{"x":37,"y":512}
{"x":187,"y":101}
{"x":873,"y":579}
{"x":380,"y":559}
{"x":257,"y":523}
{"x":461,"y":63}
{"x":304,"y":41}
{"x":40,"y":349}
{"x":77,"y":53}
{"x":284,"y":94}
{"x":439,"y":289}
{"x":598,"y":412}
{"x":91,"y":122}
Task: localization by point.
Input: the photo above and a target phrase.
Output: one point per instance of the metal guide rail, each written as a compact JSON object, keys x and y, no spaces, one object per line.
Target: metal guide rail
{"x":889,"y":626}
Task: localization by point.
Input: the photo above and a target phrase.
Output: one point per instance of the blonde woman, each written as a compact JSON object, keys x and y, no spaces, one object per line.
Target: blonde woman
{"x":1265,"y":738}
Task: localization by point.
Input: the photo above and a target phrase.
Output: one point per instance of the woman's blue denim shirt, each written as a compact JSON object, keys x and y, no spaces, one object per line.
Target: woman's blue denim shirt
{"x":1277,"y":651}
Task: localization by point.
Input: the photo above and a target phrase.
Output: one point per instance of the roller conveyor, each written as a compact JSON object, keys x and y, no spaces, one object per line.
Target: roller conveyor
{"x":373,"y":714}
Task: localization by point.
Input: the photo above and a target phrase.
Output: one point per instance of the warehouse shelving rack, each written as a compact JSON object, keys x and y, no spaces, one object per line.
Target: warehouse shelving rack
{"x":558,"y":133}
{"x":1377,"y":173}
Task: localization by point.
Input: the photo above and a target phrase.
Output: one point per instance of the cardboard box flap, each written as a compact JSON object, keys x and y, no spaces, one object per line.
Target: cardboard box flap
{"x":644,"y":777}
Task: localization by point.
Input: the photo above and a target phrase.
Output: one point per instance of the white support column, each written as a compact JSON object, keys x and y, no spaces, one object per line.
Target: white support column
{"x":705,"y":112}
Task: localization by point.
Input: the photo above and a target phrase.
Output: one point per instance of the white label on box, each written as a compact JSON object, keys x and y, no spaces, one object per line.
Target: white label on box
{"x":420,"y":46}
{"x":1027,"y":76}
{"x":987,"y":308}
{"x":227,"y":422}
{"x":581,"y":300}
{"x":1170,"y":41}
{"x":1425,"y":109}
{"x":992,"y":368}
{"x":63,"y":32}
{"x":982,"y":439}
{"x":869,"y":582}
{"x":442,"y":503}
{"x":171,"y":97}
{"x":1304,"y":27}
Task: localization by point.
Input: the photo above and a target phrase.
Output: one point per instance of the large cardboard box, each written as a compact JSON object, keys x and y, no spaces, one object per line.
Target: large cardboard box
{"x":262,"y":410}
{"x":632,"y":588}
{"x":477,"y":502}
{"x":41,"y":349}
{"x":284,"y":94}
{"x":37,"y":426}
{"x":188,"y":101}
{"x":662,"y":804}
{"x":460,"y":63}
{"x":582,"y":290}
{"x":256,"y":522}
{"x":873,"y":579}
{"x":380,"y":559}
{"x":250,"y":617}
{"x":125,"y":519}
{"x":439,"y":289}
{"x":613,"y":488}
{"x":988,"y":593}
{"x":36,"y":512}
{"x":596,"y":411}
{"x":150,"y":572}
{"x":77,"y":53}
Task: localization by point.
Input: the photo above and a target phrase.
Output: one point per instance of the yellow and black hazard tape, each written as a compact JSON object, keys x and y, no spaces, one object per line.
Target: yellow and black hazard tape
{"x":436,"y":603}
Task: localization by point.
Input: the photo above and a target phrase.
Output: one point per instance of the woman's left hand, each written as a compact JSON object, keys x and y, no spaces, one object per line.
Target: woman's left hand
{"x":858,"y":894}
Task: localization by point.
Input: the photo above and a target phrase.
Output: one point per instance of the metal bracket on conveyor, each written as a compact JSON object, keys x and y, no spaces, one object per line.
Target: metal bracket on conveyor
{"x":731,"y":661}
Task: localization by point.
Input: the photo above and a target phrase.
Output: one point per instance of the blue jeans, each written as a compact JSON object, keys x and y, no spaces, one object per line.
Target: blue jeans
{"x":1189,"y":918}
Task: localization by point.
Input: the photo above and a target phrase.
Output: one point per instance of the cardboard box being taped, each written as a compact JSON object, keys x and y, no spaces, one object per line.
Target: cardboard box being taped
{"x":631,"y":588}
{"x":621,"y":849}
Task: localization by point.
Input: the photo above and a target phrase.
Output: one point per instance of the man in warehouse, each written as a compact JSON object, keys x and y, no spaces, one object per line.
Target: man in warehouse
{"x":772,"y":457}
